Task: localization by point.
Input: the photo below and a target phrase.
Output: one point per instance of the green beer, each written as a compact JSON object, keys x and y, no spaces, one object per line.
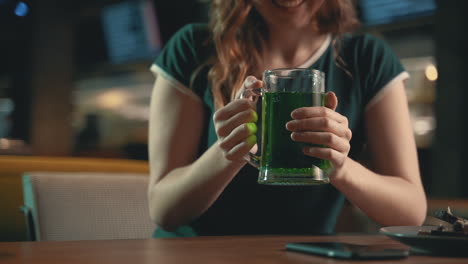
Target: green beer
{"x":282,"y":161}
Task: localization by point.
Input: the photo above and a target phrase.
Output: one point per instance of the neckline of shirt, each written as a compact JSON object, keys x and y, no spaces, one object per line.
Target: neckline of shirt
{"x":314,"y":58}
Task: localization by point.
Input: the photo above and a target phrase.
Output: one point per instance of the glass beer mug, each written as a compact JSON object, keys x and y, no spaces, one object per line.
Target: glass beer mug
{"x":282,"y":161}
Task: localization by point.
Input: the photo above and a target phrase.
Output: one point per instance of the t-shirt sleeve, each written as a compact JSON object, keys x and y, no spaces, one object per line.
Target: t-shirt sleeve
{"x":380,"y":68}
{"x":178,"y":59}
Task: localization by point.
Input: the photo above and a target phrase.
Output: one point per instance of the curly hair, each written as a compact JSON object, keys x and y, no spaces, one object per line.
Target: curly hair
{"x":237,"y":29}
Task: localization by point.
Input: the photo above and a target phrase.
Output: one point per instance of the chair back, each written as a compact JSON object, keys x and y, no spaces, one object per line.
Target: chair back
{"x":87,"y":205}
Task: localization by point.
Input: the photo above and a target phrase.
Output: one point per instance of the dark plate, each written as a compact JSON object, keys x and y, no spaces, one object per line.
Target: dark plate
{"x":427,"y":244}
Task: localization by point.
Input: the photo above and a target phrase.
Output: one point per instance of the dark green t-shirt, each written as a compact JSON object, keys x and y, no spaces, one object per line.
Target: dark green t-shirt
{"x":246,"y":207}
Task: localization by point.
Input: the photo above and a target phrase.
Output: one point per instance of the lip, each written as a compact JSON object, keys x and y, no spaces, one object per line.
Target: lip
{"x":288,"y":3}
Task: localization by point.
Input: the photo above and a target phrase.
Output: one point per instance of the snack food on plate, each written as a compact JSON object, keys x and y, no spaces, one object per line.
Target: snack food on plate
{"x":457,"y":226}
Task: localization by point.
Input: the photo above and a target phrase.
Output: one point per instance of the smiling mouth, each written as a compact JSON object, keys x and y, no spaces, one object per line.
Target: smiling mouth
{"x":288,"y":3}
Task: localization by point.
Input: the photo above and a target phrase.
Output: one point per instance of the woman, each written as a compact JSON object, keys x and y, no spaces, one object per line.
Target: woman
{"x":199,"y":132}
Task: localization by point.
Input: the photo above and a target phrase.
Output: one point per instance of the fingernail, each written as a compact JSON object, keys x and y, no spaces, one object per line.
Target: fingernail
{"x":294,"y":135}
{"x":252,"y":127}
{"x":251,"y":140}
{"x":295,"y":113}
{"x":309,"y":150}
{"x":289,"y":125}
{"x":255,"y":117}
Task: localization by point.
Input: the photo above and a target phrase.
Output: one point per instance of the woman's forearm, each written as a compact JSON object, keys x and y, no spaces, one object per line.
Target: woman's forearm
{"x":387,"y":199}
{"x":186,"y":192}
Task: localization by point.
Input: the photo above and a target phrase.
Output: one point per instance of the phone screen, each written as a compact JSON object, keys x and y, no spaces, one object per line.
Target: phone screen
{"x":349,"y":251}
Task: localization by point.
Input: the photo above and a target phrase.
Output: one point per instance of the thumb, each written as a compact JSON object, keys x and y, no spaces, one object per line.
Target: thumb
{"x":331,"y":101}
{"x":249,"y":84}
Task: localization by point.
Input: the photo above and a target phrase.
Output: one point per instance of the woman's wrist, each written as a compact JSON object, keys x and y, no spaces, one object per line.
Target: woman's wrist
{"x":341,"y":176}
{"x":233,"y":164}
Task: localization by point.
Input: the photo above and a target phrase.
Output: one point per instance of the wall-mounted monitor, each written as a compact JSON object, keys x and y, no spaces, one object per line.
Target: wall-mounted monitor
{"x":131,"y":31}
{"x":378,"y":12}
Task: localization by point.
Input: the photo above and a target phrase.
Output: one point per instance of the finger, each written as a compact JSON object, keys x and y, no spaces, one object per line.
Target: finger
{"x":224,"y":128}
{"x":254,"y":149}
{"x":335,"y":157}
{"x":319,"y":124}
{"x":233,"y":108}
{"x":240,"y":150}
{"x":318,"y":111}
{"x":249,"y":84}
{"x":238,"y":135}
{"x":322,"y":138}
{"x":331,"y":101}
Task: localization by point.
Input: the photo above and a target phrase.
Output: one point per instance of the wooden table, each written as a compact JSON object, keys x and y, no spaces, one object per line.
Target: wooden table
{"x":206,"y":250}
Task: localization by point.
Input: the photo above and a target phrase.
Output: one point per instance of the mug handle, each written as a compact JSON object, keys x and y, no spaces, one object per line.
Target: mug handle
{"x":251,"y":158}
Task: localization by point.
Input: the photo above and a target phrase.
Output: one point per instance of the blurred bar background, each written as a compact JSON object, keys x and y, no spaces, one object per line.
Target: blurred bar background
{"x":75,"y":79}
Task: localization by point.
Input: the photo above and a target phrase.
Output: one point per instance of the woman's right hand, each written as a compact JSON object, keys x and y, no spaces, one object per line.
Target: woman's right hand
{"x":235,"y":124}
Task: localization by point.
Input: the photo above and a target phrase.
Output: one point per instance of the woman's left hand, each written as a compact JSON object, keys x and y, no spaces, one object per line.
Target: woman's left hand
{"x":322,"y":126}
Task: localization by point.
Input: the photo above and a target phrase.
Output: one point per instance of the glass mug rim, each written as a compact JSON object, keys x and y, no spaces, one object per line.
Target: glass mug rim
{"x":277,"y":72}
{"x":272,"y":77}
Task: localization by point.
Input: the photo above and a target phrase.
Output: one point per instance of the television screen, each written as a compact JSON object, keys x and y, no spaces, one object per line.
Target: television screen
{"x":376,"y":12}
{"x":131,"y":31}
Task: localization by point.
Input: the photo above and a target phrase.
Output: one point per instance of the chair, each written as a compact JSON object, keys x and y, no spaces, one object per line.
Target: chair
{"x":12,"y":225}
{"x":86,"y":205}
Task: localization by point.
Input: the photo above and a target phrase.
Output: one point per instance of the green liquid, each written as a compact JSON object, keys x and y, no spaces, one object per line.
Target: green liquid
{"x":281,"y":156}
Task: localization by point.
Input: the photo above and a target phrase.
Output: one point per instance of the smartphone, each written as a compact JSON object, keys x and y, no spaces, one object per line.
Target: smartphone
{"x":349,"y":251}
